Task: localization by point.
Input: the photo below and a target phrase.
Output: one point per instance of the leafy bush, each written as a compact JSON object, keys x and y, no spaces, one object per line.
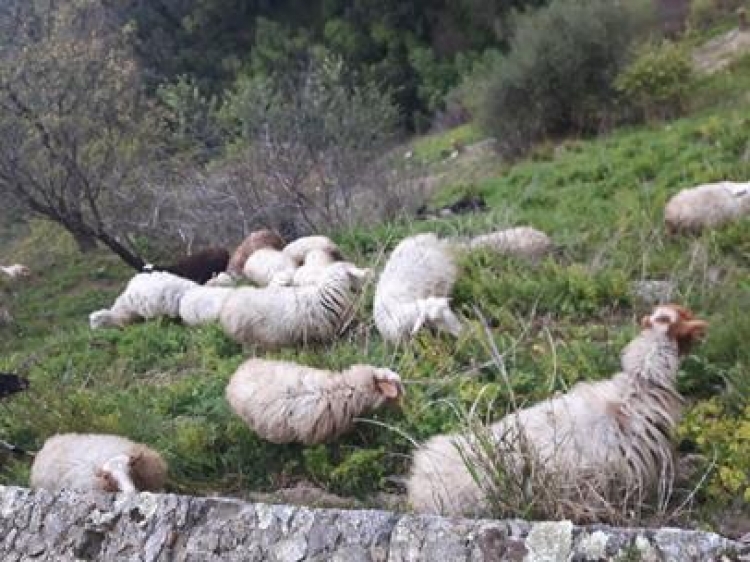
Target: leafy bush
{"x":658,"y":80}
{"x":558,"y":76}
{"x":727,"y":440}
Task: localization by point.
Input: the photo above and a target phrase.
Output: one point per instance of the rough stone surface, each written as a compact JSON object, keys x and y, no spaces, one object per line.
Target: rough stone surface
{"x":150,"y":528}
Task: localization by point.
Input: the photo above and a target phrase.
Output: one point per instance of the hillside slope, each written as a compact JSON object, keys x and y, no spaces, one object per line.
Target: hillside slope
{"x":556,"y":322}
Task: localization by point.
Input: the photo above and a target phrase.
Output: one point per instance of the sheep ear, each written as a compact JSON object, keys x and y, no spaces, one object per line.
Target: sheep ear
{"x":359,"y":274}
{"x":692,"y":329}
{"x":389,"y":389}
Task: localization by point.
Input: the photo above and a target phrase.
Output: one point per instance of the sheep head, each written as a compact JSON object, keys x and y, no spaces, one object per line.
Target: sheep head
{"x":18,"y":270}
{"x":147,"y":468}
{"x":103,"y":319}
{"x":677,"y":322}
{"x":114,"y":475}
{"x":436,"y":312}
{"x":388,"y":384}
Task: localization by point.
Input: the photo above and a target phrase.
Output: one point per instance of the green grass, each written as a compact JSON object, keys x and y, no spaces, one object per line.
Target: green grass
{"x":557,"y":322}
{"x":436,"y":147}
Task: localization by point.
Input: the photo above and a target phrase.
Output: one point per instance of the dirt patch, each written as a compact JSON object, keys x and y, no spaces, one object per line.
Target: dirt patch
{"x":721,"y":51}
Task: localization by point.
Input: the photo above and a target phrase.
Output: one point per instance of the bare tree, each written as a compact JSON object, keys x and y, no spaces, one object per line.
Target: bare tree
{"x":76,"y":135}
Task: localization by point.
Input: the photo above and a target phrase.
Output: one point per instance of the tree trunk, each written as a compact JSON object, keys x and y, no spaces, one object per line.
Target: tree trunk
{"x":85,"y":242}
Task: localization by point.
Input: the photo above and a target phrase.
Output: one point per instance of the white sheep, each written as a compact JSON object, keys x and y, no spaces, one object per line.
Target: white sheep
{"x":299,"y":249}
{"x":90,"y":462}
{"x":601,"y":445}
{"x":414,"y":287}
{"x":202,"y":305}
{"x":265,"y":263}
{"x":15,"y":271}
{"x":285,"y":402}
{"x":283,"y":316}
{"x":255,"y":241}
{"x":707,"y":206}
{"x":313,"y":270}
{"x":147,"y":295}
{"x":521,"y":241}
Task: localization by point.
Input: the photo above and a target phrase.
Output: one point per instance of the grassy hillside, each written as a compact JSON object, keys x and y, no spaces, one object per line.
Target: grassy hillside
{"x":557,"y":322}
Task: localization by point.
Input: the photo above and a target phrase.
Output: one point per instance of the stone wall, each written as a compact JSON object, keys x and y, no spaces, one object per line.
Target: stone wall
{"x":149,"y":527}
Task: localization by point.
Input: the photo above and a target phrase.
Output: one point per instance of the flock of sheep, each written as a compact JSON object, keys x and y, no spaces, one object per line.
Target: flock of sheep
{"x":597,"y":444}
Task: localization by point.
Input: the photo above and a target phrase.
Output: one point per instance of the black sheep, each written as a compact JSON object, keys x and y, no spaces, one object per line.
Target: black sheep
{"x":199,"y":267}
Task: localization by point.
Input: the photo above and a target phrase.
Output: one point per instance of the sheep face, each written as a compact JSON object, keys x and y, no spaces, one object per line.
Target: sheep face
{"x":147,"y":468}
{"x":388,"y":384}
{"x":102,"y":319}
{"x":114,"y":475}
{"x":678,"y":322}
{"x":436,"y":313}
{"x":18,"y":270}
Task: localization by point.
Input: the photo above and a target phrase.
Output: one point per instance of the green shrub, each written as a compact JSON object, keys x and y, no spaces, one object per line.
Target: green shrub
{"x":726,"y":440}
{"x":657,"y":82}
{"x":558,"y":76}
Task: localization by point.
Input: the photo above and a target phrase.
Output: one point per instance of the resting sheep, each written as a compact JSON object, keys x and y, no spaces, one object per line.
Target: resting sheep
{"x":264,"y":264}
{"x":299,"y":249}
{"x":521,"y":241}
{"x":601,"y":445}
{"x":414,"y":287}
{"x":15,"y":271}
{"x":285,"y":402}
{"x":202,"y":305}
{"x":254,"y":242}
{"x":282,"y":316}
{"x":147,"y":295}
{"x":199,"y":267}
{"x":707,"y":206}
{"x":90,"y":462}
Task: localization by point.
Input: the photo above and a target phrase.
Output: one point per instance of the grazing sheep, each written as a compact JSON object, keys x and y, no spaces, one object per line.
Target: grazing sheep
{"x":707,"y":206}
{"x":201,"y":305}
{"x":254,"y":242}
{"x":12,"y":384}
{"x":285,"y":402}
{"x":264,"y":264}
{"x":282,"y":316}
{"x":199,"y":267}
{"x":15,"y":271}
{"x":521,"y":241}
{"x":602,"y":444}
{"x":148,"y":295}
{"x":299,"y":249}
{"x":414,"y":287}
{"x":89,"y":462}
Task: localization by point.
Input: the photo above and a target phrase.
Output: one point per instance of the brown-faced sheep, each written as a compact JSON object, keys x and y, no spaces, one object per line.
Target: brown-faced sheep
{"x":603,"y":446}
{"x":285,"y":402}
{"x":90,"y":462}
